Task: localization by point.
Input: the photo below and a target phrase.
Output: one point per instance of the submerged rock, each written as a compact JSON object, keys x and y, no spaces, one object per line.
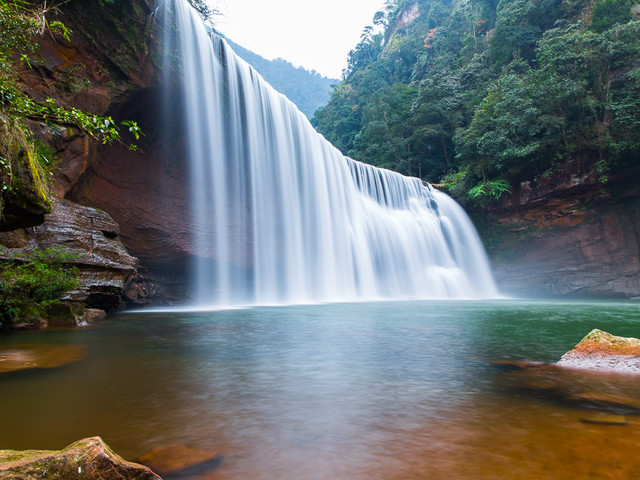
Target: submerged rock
{"x":88,"y":459}
{"x":24,"y":357}
{"x":73,"y":314}
{"x":605,"y":399}
{"x":602,"y":351}
{"x":595,"y":389}
{"x":605,"y":419}
{"x":180,"y":461}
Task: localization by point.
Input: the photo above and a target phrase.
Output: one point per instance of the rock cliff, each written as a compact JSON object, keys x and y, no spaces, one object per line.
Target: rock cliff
{"x":568,"y":234}
{"x":104,"y":201}
{"x":92,"y":236}
{"x":145,"y":191}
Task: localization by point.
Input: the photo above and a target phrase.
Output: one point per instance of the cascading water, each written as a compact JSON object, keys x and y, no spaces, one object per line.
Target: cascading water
{"x":281,"y":216}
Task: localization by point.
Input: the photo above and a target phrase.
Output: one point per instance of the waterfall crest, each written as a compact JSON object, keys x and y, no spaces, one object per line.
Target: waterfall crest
{"x":281,"y":216}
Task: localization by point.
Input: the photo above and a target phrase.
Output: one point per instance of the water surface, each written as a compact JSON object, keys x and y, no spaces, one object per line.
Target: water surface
{"x":343,"y":391}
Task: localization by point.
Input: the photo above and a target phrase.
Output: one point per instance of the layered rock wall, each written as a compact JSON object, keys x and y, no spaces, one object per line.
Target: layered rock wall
{"x":568,"y":234}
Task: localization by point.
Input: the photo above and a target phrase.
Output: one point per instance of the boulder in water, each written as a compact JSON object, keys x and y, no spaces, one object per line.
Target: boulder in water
{"x":88,"y":459}
{"x":603,"y":351}
{"x":180,"y":461}
{"x":605,"y":419}
{"x":24,"y":357}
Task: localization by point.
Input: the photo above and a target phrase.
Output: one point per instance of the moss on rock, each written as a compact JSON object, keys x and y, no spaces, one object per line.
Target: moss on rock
{"x":25,"y":193}
{"x":600,"y":350}
{"x":88,"y":459}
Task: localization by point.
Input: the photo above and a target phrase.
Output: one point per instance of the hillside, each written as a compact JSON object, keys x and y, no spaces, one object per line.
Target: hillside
{"x":527,"y":112}
{"x":307,"y":89}
{"x":492,"y":93}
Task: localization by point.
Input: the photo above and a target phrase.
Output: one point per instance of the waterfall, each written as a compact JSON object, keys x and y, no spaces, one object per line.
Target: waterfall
{"x":281,"y":216}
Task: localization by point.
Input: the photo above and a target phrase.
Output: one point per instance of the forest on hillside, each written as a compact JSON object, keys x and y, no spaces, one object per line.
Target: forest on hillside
{"x":309,"y":90}
{"x":483,"y":94}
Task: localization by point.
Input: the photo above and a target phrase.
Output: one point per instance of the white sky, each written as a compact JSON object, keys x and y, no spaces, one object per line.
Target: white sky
{"x":314,"y":34}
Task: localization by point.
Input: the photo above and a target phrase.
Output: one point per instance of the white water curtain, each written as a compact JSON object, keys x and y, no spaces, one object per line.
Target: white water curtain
{"x":281,"y":216}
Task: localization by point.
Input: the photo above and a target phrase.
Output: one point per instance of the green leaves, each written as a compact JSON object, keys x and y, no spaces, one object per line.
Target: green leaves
{"x":608,"y":13}
{"x":61,"y":29}
{"x":489,"y":190}
{"x":38,"y":277}
{"x":206,"y":12}
{"x":103,"y":129}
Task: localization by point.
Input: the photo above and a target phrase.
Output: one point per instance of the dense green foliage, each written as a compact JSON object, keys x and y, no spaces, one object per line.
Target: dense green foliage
{"x":308,"y":90}
{"x":30,"y":282}
{"x":489,"y":93}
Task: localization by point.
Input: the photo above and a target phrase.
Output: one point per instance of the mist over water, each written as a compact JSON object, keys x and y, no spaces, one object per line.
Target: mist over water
{"x":282,"y":217}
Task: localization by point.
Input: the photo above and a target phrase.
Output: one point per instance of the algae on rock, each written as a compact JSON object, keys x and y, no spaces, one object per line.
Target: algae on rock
{"x":25,"y":197}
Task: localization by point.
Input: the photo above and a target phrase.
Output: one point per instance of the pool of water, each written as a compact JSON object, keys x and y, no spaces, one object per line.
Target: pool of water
{"x":390,"y":390}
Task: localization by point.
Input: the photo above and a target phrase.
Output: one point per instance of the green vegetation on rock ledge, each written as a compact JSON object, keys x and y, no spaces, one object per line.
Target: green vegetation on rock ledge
{"x":29,"y":282}
{"x":491,"y":93}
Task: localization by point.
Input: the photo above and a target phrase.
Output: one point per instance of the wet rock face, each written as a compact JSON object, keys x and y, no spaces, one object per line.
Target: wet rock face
{"x":149,"y":199}
{"x":107,"y":59}
{"x":91,"y":236}
{"x":26,"y":200}
{"x":110,"y":67}
{"x":581,"y":239}
{"x":88,"y":459}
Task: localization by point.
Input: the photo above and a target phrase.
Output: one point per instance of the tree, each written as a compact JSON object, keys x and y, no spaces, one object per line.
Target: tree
{"x":526,"y":85}
{"x":384,"y":139}
{"x":607,"y":13}
{"x":205,"y":10}
{"x":436,"y":114}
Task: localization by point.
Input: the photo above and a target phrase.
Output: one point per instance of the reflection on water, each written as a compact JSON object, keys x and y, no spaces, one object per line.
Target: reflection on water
{"x":374,"y":391}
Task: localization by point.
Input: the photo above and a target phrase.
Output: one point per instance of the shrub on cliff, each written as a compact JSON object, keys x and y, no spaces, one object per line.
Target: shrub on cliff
{"x":31,"y":281}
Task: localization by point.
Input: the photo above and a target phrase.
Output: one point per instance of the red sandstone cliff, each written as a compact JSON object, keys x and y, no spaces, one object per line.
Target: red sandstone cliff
{"x":568,"y":234}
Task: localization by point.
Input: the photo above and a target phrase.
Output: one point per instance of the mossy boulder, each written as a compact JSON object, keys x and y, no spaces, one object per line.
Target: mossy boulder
{"x":72,"y":314}
{"x":88,"y":459}
{"x":600,"y":350}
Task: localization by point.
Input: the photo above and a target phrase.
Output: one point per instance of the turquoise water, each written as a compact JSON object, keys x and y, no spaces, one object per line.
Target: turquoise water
{"x":374,"y":390}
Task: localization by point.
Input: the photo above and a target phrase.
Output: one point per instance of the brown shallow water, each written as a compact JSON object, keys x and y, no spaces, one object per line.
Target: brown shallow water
{"x":411,"y":390}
